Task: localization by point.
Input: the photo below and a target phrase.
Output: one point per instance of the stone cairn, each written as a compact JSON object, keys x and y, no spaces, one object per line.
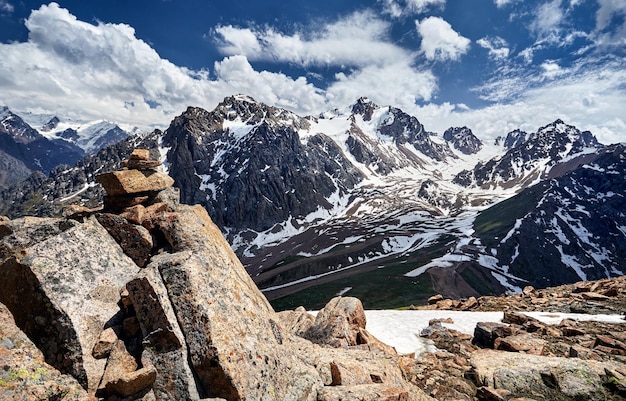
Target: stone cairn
{"x":137,"y":183}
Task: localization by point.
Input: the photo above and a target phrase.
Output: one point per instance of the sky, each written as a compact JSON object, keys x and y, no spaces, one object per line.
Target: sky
{"x":491,"y":65}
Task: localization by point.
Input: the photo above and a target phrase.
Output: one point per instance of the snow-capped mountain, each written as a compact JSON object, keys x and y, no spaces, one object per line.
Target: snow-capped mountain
{"x":336,"y":201}
{"x":34,"y":142}
{"x":28,"y":148}
{"x":89,"y":136}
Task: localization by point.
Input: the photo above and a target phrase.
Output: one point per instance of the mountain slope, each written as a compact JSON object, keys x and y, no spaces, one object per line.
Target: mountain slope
{"x":36,"y":152}
{"x":364,"y":199}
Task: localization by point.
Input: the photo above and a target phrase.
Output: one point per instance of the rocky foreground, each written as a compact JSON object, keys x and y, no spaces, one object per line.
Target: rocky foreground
{"x":144,"y":300}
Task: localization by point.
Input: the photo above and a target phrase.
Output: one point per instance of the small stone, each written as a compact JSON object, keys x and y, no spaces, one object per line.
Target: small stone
{"x":133,"y":181}
{"x":105,"y":343}
{"x":140,"y":154}
{"x":434,"y":299}
{"x":491,"y":394}
{"x":132,"y":382}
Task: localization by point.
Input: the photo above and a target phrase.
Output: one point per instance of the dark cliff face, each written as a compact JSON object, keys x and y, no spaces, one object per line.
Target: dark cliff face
{"x":246,"y":164}
{"x":540,"y":151}
{"x":575,"y":227}
{"x":463,"y":139}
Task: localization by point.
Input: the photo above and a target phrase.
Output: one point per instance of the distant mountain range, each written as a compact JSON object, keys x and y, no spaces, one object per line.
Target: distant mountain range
{"x":44,"y":142}
{"x":366,"y":201}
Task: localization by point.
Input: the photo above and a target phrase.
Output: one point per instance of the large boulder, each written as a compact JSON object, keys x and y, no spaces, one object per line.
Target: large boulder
{"x":526,"y":375}
{"x":62,"y":288}
{"x":236,"y":347}
{"x":24,"y":374}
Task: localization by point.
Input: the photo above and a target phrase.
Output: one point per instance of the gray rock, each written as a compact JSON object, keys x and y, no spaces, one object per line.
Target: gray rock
{"x":164,"y":344}
{"x":236,"y":346}
{"x":62,"y":293}
{"x":551,"y":377}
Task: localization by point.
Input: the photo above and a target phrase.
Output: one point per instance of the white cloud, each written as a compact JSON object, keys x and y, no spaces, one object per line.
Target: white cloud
{"x":397,"y":84}
{"x":548,"y":19}
{"x":551,"y":69}
{"x":498,"y":47}
{"x":79,"y":70}
{"x":440,"y":41}
{"x":6,"y":7}
{"x":611,"y":10}
{"x":587,"y":96}
{"x":341,"y":43}
{"x":608,"y":10}
{"x":502,"y":3}
{"x":398,"y":8}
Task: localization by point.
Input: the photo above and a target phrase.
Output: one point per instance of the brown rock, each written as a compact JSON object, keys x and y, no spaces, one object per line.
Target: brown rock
{"x":366,"y":392}
{"x":471,"y":303}
{"x":434,"y":299}
{"x":338,"y":323}
{"x":135,"y":240}
{"x":594,"y":296}
{"x":297,"y":321}
{"x":609,"y":342}
{"x":485,"y":333}
{"x":140,"y":154}
{"x":164,"y":344}
{"x":447,"y":304}
{"x":105,"y":343}
{"x":141,"y":164}
{"x":134,"y":214}
{"x":521,"y":343}
{"x":64,"y":291}
{"x":236,"y":346}
{"x":529,"y":290}
{"x":120,"y":364}
{"x":486,"y":393}
{"x":133,"y":382}
{"x":126,"y":182}
{"x":570,"y":331}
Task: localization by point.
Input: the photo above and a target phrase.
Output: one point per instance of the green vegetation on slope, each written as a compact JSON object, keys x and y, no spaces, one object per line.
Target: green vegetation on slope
{"x":495,"y":222}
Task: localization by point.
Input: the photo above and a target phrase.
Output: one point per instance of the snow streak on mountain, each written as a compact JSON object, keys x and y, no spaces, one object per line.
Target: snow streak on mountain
{"x":344,"y":197}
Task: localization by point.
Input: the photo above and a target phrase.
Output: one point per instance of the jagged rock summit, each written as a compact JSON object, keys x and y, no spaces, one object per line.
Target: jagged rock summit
{"x":144,"y":299}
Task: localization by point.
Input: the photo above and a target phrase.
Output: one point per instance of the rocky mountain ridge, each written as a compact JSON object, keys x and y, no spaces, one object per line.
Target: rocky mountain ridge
{"x":307,"y":201}
{"x":25,"y":149}
{"x":163,"y":310}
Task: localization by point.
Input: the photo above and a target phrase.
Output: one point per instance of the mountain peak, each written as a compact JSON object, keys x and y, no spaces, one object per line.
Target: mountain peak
{"x":365,"y":107}
{"x":463,"y":139}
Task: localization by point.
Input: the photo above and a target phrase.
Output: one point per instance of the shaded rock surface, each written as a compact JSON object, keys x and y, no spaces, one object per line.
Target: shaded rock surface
{"x":24,"y":374}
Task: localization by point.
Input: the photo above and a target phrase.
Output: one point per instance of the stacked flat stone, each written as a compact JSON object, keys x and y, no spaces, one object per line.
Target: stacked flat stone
{"x":137,"y":183}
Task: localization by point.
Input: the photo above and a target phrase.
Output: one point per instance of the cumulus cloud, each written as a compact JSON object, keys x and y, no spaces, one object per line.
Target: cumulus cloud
{"x":396,"y":84}
{"x":340,"y":43}
{"x":440,"y":41}
{"x":498,"y":47}
{"x":80,"y":70}
{"x":551,"y":69}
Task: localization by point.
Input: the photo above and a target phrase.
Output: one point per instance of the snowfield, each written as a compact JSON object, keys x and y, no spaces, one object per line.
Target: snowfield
{"x":401,"y":328}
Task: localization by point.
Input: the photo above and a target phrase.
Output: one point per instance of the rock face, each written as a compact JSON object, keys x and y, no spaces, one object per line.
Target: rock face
{"x":25,"y":375}
{"x":180,"y":319}
{"x":463,"y":139}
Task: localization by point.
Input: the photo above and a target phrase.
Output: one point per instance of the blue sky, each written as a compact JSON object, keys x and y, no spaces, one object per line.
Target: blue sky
{"x":492,"y":65}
